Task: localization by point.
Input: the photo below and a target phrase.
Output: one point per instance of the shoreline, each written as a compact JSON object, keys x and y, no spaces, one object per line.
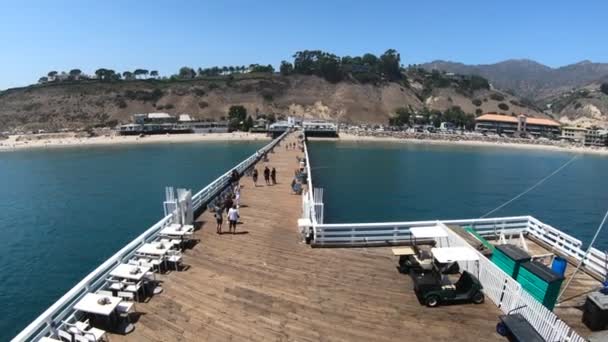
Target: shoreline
{"x":31,"y":142}
{"x":349,"y":137}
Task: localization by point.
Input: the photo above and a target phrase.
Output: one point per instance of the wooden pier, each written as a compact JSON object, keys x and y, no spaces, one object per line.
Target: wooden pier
{"x":263,"y":284}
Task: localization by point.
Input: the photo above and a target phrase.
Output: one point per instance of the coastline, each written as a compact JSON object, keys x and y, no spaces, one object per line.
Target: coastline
{"x":349,"y":137}
{"x":18,"y":142}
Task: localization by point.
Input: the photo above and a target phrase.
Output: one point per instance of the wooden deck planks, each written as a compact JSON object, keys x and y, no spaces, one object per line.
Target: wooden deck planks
{"x":267,"y":286}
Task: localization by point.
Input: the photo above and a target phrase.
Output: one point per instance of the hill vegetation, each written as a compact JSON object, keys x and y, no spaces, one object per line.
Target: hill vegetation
{"x":315,"y":84}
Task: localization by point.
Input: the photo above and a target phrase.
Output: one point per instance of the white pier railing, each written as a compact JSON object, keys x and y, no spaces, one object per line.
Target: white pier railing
{"x":63,"y":309}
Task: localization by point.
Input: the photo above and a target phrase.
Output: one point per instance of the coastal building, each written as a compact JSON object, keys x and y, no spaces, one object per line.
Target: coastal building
{"x":509,"y":125}
{"x":320,"y":128}
{"x":163,"y":123}
{"x":575,"y":134}
{"x":596,"y":137}
{"x":278,"y":128}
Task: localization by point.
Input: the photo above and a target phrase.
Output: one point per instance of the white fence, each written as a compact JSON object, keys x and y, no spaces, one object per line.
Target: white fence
{"x":569,"y":246}
{"x":336,"y":234}
{"x":509,"y":296}
{"x":309,"y":207}
{"x":399,"y":232}
{"x":62,"y":309}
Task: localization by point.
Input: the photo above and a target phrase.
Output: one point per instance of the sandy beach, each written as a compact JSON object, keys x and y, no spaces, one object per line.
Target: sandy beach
{"x":21,"y":142}
{"x":528,"y":146}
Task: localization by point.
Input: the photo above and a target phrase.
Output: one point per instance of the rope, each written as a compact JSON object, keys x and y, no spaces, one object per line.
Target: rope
{"x":599,"y":229}
{"x":532,"y":187}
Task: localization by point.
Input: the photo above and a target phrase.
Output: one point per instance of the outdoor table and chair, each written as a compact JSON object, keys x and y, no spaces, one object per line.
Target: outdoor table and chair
{"x":178,"y":231}
{"x":131,"y":277}
{"x":101,"y":307}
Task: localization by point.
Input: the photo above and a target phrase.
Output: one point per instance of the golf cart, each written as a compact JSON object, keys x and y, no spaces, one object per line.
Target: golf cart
{"x":418,"y":258}
{"x":435,"y":287}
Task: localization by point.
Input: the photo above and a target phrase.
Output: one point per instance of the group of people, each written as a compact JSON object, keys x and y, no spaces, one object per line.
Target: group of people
{"x":270,"y":176}
{"x":291,"y":146}
{"x":230,"y":203}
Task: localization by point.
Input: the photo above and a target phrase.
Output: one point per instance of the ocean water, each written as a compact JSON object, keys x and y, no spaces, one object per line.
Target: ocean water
{"x":379,"y":182}
{"x":64,"y":211}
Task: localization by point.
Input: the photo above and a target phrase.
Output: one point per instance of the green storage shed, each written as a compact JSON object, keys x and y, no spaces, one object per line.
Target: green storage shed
{"x":508,"y":258}
{"x":540,"y":282}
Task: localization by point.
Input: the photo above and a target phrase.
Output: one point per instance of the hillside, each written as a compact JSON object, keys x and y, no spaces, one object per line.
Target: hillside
{"x":527,"y":78}
{"x":78,"y":105}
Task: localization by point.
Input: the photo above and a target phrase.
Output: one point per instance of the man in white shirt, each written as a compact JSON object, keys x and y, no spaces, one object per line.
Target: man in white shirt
{"x":233,"y":218}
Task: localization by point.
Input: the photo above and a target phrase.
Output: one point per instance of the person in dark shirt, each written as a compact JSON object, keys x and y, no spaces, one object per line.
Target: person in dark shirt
{"x":267,"y":175}
{"x":228,"y":203}
{"x":254,"y":175}
{"x":273,"y":176}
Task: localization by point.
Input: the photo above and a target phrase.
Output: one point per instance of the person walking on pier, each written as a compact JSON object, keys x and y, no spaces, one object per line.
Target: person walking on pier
{"x":254,"y":175}
{"x":233,"y":218}
{"x":228,"y":203}
{"x":273,"y":176}
{"x":267,"y":175}
{"x":219,"y":218}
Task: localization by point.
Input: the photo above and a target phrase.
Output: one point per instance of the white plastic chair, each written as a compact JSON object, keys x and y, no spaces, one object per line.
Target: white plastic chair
{"x":126,"y":295}
{"x":124,"y":309}
{"x":175,"y":257}
{"x":64,"y":335}
{"x":133,"y":288}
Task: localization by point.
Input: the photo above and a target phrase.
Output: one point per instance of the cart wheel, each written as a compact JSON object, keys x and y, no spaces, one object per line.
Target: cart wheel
{"x":501,"y":329}
{"x":478,"y":298}
{"x":432,"y":301}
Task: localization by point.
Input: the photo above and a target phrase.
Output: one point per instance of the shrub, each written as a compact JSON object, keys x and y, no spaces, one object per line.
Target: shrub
{"x":577,"y":105}
{"x":476,"y":102}
{"x":478,"y":111}
{"x":169,"y":106}
{"x":503,"y":106}
{"x":604,"y":88}
{"x":198,"y":91}
{"x":203,"y":104}
{"x":497,"y":97}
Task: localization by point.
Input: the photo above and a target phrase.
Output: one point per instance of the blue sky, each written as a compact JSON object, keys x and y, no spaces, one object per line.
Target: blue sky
{"x":39,"y":36}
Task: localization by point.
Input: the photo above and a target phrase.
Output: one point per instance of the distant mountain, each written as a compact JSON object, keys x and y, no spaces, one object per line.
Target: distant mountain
{"x":527,"y":78}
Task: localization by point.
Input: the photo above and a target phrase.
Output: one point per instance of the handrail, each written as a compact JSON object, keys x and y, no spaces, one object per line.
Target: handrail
{"x":311,"y":200}
{"x":51,"y":318}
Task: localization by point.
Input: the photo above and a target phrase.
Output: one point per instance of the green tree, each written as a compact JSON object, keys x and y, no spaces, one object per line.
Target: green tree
{"x":247,"y":124}
{"x":127,"y":75}
{"x":236,"y":116}
{"x":100,"y":73}
{"x":286,"y":68}
{"x":186,"y":73}
{"x":75,"y":73}
{"x":401,"y":117}
{"x":154,"y":73}
{"x":43,"y":79}
{"x":604,"y":88}
{"x":390,"y":65}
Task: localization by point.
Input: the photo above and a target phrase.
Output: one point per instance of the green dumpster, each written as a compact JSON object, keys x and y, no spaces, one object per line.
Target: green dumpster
{"x":541,"y":282}
{"x":508,"y":258}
